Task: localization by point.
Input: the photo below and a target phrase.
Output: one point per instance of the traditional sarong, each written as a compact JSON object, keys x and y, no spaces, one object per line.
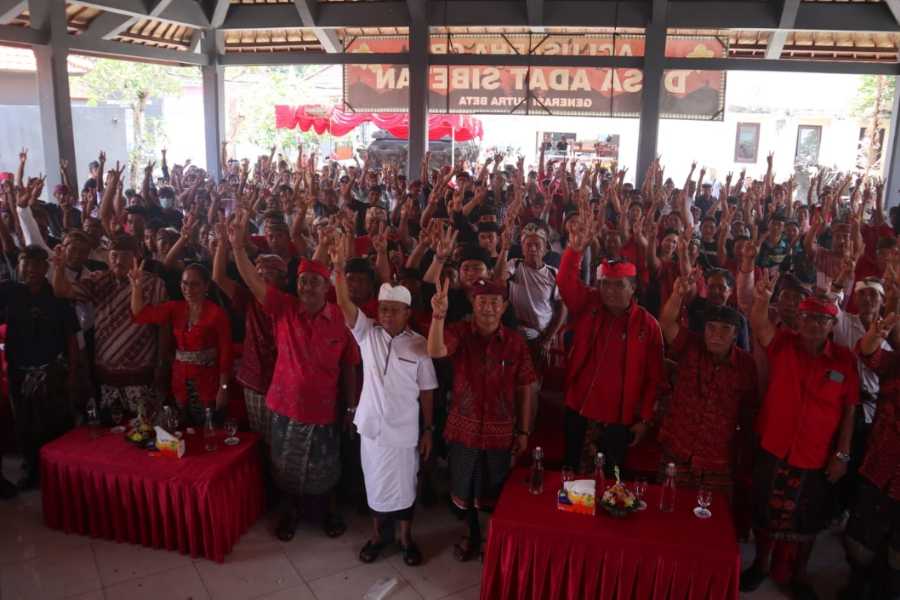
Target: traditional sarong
{"x":41,"y":406}
{"x":789,"y":503}
{"x":874,"y":519}
{"x":389,"y":475}
{"x":476,"y":476}
{"x":585,"y":438}
{"x":306,"y":459}
{"x":129,"y":397}
{"x":258,"y":413}
{"x":687,"y":475}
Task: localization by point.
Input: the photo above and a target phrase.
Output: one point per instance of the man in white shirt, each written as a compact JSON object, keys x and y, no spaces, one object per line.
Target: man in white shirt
{"x":398,"y":379}
{"x":868,"y":293}
{"x":535,"y":299}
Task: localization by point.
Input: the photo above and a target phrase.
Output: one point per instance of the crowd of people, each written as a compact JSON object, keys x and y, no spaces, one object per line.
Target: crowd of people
{"x":377,"y":324}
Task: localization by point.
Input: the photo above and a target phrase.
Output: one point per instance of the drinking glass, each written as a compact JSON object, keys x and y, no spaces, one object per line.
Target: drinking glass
{"x":93,"y":419}
{"x":640,"y":489}
{"x":231,"y":428}
{"x":117,"y":413}
{"x":568,"y":474}
{"x":704,"y":499}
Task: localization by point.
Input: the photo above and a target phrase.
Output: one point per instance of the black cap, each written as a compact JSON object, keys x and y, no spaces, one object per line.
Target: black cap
{"x":722,"y":314}
{"x":474,"y":252}
{"x":488,"y":226}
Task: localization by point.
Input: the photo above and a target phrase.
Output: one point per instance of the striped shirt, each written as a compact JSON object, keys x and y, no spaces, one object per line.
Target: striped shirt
{"x":123,"y":348}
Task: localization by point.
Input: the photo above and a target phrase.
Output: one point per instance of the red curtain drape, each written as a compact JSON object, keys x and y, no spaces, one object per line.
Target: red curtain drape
{"x":338,"y":122}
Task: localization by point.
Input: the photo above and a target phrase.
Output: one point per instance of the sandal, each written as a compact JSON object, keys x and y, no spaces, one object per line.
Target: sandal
{"x":287,"y":526}
{"x":370,"y":551}
{"x":412,"y":556}
{"x":334,"y":525}
{"x":463,"y":551}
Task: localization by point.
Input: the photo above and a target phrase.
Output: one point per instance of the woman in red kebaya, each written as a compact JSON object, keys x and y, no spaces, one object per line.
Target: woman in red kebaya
{"x":202,"y":335}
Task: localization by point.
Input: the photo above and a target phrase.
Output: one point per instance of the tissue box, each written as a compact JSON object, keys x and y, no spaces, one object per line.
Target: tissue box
{"x":578,"y":497}
{"x":167,"y":444}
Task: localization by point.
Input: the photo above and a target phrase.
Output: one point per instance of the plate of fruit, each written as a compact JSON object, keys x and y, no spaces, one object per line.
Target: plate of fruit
{"x":142,"y":436}
{"x":617,"y":500}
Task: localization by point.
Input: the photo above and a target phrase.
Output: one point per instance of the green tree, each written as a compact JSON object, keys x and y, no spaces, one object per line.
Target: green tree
{"x":253,"y":92}
{"x":873,"y":104}
{"x":135,"y":84}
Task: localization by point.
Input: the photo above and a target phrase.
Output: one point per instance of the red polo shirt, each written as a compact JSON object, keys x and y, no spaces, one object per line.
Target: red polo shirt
{"x":882,"y":462}
{"x":311,"y":351}
{"x":805,"y":400}
{"x":486,"y":373}
{"x":710,"y":401}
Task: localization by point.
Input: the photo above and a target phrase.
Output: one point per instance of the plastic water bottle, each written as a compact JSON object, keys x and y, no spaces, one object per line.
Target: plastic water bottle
{"x":599,"y":475}
{"x":536,"y":481}
{"x":667,"y":494}
{"x":209,"y":432}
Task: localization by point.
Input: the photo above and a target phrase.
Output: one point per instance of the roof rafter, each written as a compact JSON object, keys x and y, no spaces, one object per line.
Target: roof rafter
{"x":10,"y":9}
{"x":308,"y":12}
{"x":179,"y":12}
{"x":786,"y":20}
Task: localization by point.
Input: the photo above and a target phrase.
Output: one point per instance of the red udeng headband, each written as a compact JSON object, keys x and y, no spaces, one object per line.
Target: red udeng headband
{"x":813,"y":305}
{"x":313,"y":266}
{"x":618,"y":270}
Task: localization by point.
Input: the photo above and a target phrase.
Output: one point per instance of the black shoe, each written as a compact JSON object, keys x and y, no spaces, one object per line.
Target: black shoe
{"x":7,"y":489}
{"x":412,"y":556}
{"x":752,"y":578}
{"x":370,"y":551}
{"x":287,"y":525}
{"x":334,"y":525}
{"x":800,"y":590}
{"x":859,"y":587}
{"x":28,"y":482}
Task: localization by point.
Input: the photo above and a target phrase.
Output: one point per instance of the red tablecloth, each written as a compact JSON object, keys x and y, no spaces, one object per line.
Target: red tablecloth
{"x":198,"y":505}
{"x":537,"y":552}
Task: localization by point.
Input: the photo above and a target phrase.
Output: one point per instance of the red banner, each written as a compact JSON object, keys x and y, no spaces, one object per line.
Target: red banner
{"x":612,"y":92}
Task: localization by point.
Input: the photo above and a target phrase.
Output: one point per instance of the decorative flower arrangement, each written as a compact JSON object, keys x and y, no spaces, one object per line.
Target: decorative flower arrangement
{"x":617,"y":500}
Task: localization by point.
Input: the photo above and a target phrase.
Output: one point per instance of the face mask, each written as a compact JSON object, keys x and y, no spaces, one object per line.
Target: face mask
{"x":166,"y":202}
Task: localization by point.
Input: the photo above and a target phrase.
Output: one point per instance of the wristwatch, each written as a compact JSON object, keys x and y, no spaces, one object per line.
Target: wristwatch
{"x":523,"y":432}
{"x":223,"y":386}
{"x":351,"y":410}
{"x":842,"y":456}
{"x":428,"y":429}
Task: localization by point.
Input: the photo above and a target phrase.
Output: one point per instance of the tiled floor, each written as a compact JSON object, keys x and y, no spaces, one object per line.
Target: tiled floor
{"x":38,"y":563}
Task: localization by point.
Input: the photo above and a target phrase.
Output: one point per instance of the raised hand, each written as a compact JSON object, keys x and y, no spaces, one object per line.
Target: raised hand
{"x":446,"y":243}
{"x":764,"y":288}
{"x":439,"y":301}
{"x":23,"y":155}
{"x":337,"y":251}
{"x":881,"y":328}
{"x":136,"y":273}
{"x":238,"y":229}
{"x":380,"y":240}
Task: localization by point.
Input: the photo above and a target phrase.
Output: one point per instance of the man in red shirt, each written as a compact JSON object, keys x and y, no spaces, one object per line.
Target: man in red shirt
{"x":872,"y":537}
{"x":258,"y":356}
{"x":615,"y":364}
{"x":315,"y":367}
{"x":805,"y":427}
{"x":714,"y":396}
{"x":489,"y":418}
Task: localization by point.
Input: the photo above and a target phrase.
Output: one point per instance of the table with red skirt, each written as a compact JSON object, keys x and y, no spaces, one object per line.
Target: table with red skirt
{"x":535,"y":551}
{"x":199,"y":504}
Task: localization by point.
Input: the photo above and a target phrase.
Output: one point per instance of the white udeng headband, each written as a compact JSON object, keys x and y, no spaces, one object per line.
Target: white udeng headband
{"x":860,"y":285}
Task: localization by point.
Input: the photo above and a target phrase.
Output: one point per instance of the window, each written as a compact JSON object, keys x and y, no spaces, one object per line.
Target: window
{"x":746,"y":142}
{"x":809,"y":138}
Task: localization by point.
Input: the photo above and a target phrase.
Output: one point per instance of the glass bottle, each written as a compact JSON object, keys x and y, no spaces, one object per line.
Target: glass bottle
{"x":536,"y":481}
{"x":599,"y":475}
{"x":209,"y":432}
{"x":93,"y":418}
{"x":667,"y":493}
